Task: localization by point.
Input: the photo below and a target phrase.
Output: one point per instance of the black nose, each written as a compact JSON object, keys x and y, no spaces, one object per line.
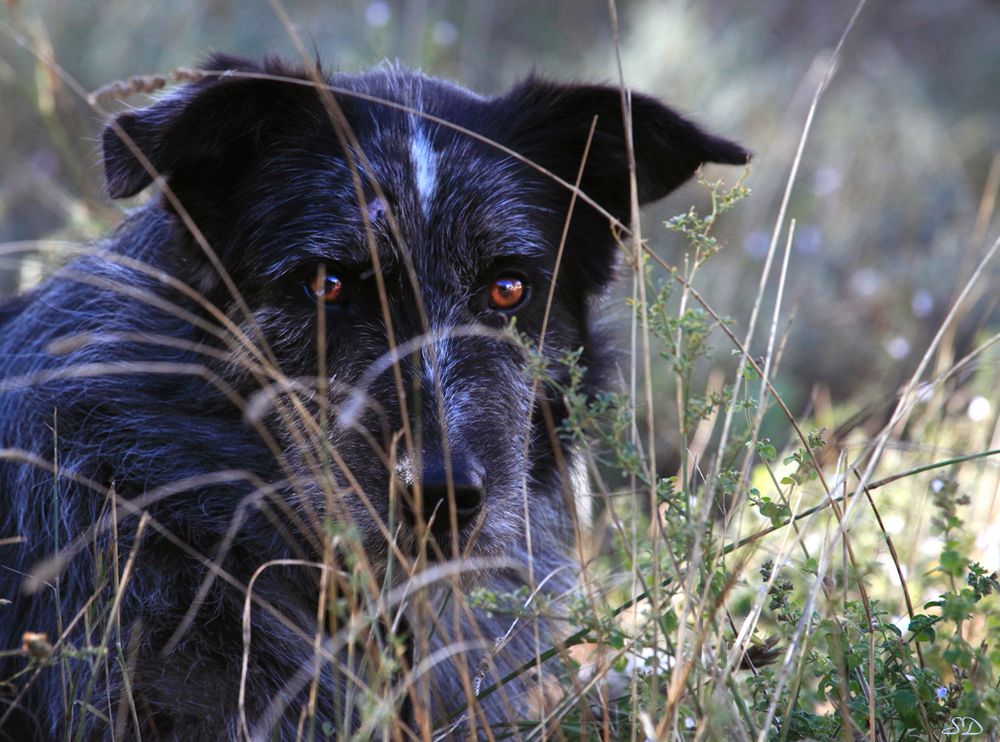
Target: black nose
{"x":464,"y":497}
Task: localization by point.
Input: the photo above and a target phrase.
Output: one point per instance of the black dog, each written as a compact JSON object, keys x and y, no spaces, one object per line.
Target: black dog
{"x":258,"y":445}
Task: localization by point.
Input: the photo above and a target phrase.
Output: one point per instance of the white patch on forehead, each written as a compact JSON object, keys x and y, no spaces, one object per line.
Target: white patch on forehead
{"x":424,"y":165}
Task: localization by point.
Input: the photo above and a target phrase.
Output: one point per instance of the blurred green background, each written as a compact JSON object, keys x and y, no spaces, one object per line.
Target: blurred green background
{"x":894,"y":201}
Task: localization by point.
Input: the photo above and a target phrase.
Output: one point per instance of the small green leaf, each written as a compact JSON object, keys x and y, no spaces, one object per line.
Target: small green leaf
{"x":953,"y":563}
{"x":921,"y":626}
{"x":766,"y":450}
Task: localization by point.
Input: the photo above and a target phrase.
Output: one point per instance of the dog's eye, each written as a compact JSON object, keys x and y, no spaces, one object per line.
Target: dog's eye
{"x":506,"y":293}
{"x":326,"y":289}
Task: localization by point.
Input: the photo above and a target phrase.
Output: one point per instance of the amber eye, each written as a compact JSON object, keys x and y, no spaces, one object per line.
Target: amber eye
{"x":326,"y":289}
{"x":506,"y":293}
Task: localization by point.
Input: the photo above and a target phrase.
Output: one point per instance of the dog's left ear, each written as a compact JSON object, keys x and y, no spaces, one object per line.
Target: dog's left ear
{"x":549,"y":123}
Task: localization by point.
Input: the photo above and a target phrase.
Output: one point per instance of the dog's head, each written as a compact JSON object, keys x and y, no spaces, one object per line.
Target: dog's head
{"x":377,"y":239}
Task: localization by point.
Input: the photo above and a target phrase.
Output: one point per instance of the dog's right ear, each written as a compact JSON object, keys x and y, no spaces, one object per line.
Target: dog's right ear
{"x":204,"y":132}
{"x":549,"y":123}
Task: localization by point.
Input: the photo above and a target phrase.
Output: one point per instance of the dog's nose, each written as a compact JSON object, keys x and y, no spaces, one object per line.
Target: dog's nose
{"x":464,"y":497}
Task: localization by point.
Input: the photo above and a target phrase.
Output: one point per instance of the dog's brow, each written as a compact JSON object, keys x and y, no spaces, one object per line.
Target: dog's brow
{"x":353,"y":254}
{"x":520,"y":250}
{"x":507,"y":246}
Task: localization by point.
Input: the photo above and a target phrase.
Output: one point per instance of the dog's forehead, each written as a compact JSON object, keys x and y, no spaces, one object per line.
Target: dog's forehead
{"x":420,"y":137}
{"x":443,"y":184}
{"x":455,"y":201}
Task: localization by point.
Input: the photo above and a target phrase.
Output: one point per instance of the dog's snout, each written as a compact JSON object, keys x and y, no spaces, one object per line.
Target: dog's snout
{"x":455,"y":487}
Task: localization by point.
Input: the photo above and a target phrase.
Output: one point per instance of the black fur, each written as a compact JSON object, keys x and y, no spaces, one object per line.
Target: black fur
{"x":155,"y":402}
